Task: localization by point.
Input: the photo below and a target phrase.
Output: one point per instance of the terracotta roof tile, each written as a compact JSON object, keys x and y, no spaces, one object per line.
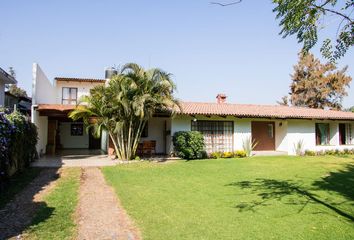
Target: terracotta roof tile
{"x":80,"y":79}
{"x":261,"y":111}
{"x":55,"y":107}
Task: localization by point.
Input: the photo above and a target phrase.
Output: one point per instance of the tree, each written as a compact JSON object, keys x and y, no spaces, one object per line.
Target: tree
{"x":124,"y":105}
{"x":284,"y":101}
{"x":304,"y":18}
{"x":351,"y":109}
{"x":13,"y":88}
{"x":318,"y":85}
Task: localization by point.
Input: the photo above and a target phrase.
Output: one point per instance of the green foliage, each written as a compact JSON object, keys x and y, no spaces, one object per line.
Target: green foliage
{"x":310,"y":153}
{"x":304,"y":18}
{"x":17,"y":91}
{"x":124,"y":105}
{"x":299,"y":147}
{"x":18,"y":138}
{"x":240,"y":154}
{"x":227,"y":155}
{"x":189,"y":144}
{"x":215,"y":155}
{"x":248,"y":145}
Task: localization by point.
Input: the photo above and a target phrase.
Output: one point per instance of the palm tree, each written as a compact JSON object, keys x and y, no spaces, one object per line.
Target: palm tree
{"x":124,"y":105}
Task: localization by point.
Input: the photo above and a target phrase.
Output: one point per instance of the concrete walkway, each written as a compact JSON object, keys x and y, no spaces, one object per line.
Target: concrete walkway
{"x":75,"y":158}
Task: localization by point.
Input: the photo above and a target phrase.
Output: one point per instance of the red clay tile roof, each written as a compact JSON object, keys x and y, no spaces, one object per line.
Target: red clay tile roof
{"x":261,"y":111}
{"x":80,"y":79}
{"x":55,"y":107}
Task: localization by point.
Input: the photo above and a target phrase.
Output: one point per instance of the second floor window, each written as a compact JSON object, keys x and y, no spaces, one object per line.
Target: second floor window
{"x":69,"y":96}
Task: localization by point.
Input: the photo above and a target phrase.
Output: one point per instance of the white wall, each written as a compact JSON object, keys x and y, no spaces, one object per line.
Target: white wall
{"x":2,"y":93}
{"x":42,"y":88}
{"x":42,"y":126}
{"x":69,"y":141}
{"x":83,"y":88}
{"x":156,"y":128}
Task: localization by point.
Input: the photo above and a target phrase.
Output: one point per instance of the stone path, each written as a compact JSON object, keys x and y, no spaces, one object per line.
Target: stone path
{"x":17,"y":214}
{"x":99,"y":213}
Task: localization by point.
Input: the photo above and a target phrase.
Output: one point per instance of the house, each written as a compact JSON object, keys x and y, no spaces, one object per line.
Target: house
{"x":21,"y":103}
{"x":5,"y":78}
{"x":225,"y":126}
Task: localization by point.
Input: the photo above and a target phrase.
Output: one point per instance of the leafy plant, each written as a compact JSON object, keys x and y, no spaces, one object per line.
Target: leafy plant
{"x":248,"y":145}
{"x":240,"y":154}
{"x":299,"y":147}
{"x":215,"y":155}
{"x":310,"y":153}
{"x":124,"y":106}
{"x":189,"y":144}
{"x":227,"y":155}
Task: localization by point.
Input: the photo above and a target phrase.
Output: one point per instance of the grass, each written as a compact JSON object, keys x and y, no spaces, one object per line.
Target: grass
{"x":55,"y":217}
{"x":17,"y":183}
{"x":279,"y":197}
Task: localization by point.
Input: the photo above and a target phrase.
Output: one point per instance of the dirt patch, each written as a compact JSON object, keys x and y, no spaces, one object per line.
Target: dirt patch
{"x":99,"y":213}
{"x":18,"y":213}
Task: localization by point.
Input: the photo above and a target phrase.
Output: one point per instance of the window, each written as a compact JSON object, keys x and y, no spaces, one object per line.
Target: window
{"x":218,"y":135}
{"x":322,"y":133}
{"x":345,"y":133}
{"x":69,"y":96}
{"x":270,"y":129}
{"x":77,"y":129}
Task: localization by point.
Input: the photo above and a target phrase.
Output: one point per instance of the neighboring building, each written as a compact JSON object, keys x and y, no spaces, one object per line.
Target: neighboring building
{"x":22,"y":104}
{"x":5,"y":78}
{"x":225,"y":126}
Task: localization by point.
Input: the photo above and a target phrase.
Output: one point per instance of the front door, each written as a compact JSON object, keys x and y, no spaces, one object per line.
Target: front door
{"x":263,"y":133}
{"x":94,"y":143}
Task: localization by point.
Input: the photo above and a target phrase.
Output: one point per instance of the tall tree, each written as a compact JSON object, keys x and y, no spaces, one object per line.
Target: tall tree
{"x":124,"y":105}
{"x":13,"y":88}
{"x":318,"y":85}
{"x":304,"y":19}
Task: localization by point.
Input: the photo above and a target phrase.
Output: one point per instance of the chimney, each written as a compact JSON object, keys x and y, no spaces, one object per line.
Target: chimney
{"x":221,"y":98}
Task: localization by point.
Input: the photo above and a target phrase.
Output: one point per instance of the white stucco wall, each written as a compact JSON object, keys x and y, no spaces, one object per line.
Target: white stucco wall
{"x":69,"y":141}
{"x":83,"y":88}
{"x":42,"y":89}
{"x":2,"y":93}
{"x":104,"y":141}
{"x":156,"y":128}
{"x":42,"y":127}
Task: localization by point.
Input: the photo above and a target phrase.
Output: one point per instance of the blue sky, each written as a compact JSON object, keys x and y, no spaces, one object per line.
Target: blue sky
{"x":209,"y":49}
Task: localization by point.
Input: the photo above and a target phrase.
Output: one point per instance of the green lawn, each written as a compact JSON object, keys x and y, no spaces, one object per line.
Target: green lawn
{"x":252,"y":198}
{"x":17,"y":183}
{"x":55,"y":218}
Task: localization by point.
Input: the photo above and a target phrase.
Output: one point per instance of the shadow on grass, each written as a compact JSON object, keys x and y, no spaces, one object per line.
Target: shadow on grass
{"x":17,"y":215}
{"x":272,"y":189}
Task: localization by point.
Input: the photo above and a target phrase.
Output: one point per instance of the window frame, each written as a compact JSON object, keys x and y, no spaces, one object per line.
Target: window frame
{"x":318,"y":132}
{"x":214,"y":133}
{"x":347,"y":134}
{"x":69,"y":99}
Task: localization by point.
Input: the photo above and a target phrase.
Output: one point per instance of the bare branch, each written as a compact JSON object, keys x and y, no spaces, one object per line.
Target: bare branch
{"x":226,"y":4}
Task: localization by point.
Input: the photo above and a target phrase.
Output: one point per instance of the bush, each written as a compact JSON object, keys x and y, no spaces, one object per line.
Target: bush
{"x":227,"y":155}
{"x":248,"y":145}
{"x":189,"y":144}
{"x":330,"y":152}
{"x":215,"y":155}
{"x":310,"y":153}
{"x":240,"y":154}
{"x":18,"y":137}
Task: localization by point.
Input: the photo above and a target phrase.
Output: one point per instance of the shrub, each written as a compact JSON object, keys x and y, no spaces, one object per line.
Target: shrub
{"x":299,"y":147}
{"x":240,"y":154}
{"x":227,"y":155}
{"x":18,"y":137}
{"x":248,"y":145}
{"x":330,"y":152}
{"x":215,"y":155}
{"x":310,"y":153}
{"x":189,"y":144}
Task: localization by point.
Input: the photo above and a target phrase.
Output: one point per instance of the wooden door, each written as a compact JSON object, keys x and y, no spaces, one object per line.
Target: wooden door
{"x":264,"y":134}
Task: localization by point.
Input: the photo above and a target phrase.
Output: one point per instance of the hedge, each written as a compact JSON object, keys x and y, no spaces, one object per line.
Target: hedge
{"x":18,"y":139}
